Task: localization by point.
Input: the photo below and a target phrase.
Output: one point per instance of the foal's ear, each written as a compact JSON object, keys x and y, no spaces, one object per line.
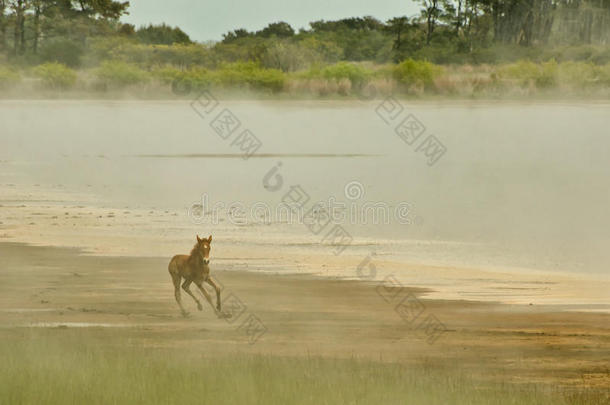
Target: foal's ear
{"x":210,"y":239}
{"x":198,"y":239}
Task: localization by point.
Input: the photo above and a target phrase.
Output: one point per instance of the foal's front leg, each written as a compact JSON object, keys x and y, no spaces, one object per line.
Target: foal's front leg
{"x":217,"y":289}
{"x":205,"y":293}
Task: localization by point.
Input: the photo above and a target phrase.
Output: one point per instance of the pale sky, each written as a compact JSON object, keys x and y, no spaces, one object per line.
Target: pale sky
{"x":208,"y":20}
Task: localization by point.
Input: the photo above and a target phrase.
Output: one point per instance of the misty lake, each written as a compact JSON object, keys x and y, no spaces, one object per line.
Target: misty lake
{"x":518,"y":185}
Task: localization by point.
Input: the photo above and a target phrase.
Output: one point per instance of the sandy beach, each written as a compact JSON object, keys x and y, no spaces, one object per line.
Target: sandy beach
{"x":131,"y":300}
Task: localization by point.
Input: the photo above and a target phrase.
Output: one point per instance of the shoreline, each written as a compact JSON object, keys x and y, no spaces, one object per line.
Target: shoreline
{"x":442,"y":100}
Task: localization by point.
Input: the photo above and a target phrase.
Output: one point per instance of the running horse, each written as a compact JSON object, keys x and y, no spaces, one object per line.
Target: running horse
{"x":194,"y":268}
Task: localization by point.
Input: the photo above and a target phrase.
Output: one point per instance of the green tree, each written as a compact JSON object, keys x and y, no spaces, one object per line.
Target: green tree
{"x":279,"y":29}
{"x":430,"y":14}
{"x":162,"y":35}
{"x":19,"y":8}
{"x":105,"y":9}
{"x":399,"y":28}
{"x":3,"y":24}
{"x":235,"y":35}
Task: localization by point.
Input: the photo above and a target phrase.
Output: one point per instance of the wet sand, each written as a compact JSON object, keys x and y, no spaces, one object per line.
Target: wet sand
{"x":45,"y":215}
{"x":129,"y":301}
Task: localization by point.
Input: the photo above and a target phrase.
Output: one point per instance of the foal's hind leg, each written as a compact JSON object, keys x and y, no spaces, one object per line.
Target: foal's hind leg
{"x":185,"y":287}
{"x":176,"y":279}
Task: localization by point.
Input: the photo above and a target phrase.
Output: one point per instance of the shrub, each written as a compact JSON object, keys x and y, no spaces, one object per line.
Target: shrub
{"x":288,"y":56}
{"x":522,"y":71}
{"x":184,"y":56}
{"x":601,"y":57}
{"x":63,"y":51}
{"x":344,"y":87}
{"x":271,"y":79}
{"x":249,"y":75}
{"x":417,"y":73}
{"x":118,"y":49}
{"x":167,"y":74}
{"x":55,"y":75}
{"x":569,"y":75}
{"x":120,"y":74}
{"x":357,"y":75}
{"x":439,"y":54}
{"x":324,"y":87}
{"x":547,"y":76}
{"x":342,"y":78}
{"x":526,"y":73}
{"x":144,"y":55}
{"x":8,"y":77}
{"x":183,"y":82}
{"x":604,"y":74}
{"x":579,"y":74}
{"x":578,"y":53}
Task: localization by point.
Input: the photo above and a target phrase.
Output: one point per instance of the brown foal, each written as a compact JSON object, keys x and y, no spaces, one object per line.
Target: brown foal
{"x":194,"y":268}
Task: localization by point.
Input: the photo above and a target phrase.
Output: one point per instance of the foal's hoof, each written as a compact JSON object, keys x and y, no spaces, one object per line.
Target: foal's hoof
{"x":185,"y":314}
{"x":199,"y":306}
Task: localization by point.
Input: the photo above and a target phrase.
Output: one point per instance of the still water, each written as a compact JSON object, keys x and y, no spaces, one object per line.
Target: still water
{"x":524,"y":185}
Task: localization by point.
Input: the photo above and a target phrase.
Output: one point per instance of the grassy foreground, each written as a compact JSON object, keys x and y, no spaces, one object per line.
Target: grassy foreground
{"x":68,"y":366}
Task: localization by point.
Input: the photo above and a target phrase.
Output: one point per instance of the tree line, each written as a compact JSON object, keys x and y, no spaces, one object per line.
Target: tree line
{"x":444,"y":31}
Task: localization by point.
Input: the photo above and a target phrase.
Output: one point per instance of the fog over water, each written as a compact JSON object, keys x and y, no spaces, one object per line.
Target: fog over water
{"x":522,"y":185}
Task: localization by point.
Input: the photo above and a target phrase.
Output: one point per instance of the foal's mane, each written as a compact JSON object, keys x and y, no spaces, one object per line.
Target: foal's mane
{"x":195,"y":255}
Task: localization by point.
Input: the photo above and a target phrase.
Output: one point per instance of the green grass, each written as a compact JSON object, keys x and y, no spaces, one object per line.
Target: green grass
{"x":77,"y":367}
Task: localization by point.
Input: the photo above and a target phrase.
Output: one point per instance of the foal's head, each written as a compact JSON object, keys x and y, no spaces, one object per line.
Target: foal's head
{"x":203,"y":247}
